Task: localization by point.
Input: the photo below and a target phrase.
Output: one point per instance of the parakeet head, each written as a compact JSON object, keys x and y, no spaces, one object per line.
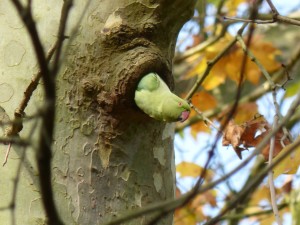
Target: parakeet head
{"x":184,"y":106}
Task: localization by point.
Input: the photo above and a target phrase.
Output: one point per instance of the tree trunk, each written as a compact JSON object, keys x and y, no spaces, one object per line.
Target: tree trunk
{"x":108,"y":156}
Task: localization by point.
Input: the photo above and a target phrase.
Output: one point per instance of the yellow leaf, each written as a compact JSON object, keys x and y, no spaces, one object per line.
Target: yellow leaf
{"x":197,"y":69}
{"x":189,"y":169}
{"x":217,"y":74}
{"x":266,"y":53}
{"x":290,"y":164}
{"x":245,"y":112}
{"x":262,"y":193}
{"x":234,"y":67}
{"x":232,"y":6}
{"x":267,"y":219}
{"x":209,"y":197}
{"x":198,"y":127}
{"x":183,"y":216}
{"x":213,"y":81}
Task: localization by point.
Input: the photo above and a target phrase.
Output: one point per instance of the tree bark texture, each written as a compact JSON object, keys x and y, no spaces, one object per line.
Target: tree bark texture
{"x":108,"y":156}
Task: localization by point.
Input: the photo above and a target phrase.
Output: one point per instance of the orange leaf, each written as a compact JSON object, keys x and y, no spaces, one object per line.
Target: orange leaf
{"x":204,"y":101}
{"x":188,"y":169}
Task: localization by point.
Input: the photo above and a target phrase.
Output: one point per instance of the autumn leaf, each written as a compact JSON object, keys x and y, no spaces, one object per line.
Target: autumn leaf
{"x":189,"y":169}
{"x":263,"y":51}
{"x":266,"y":53}
{"x":188,"y":214}
{"x":204,"y":198}
{"x":241,"y":137}
{"x":217,"y":74}
{"x":246,"y":112}
{"x":232,"y":6}
{"x":260,"y":194}
{"x":200,"y":126}
{"x":202,"y":101}
{"x":230,"y":65}
{"x":290,"y":164}
{"x":280,"y":142}
{"x":193,"y":211}
{"x":184,"y":216}
{"x":292,"y":89}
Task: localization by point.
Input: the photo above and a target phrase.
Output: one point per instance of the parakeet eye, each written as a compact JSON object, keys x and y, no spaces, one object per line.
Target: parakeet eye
{"x":180,"y":104}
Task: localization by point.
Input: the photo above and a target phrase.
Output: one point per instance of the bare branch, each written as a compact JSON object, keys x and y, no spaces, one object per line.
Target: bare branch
{"x":270,"y":175}
{"x":44,"y":154}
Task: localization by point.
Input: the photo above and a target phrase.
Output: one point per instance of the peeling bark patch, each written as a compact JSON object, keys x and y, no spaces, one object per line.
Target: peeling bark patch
{"x":80,"y":172}
{"x":88,"y":127}
{"x":112,"y":21}
{"x":125,"y":173}
{"x":6,"y":92}
{"x":159,"y":154}
{"x":157,"y":181}
{"x":87,"y":149}
{"x":169,"y":128}
{"x":104,"y":155}
{"x":138,"y":198}
{"x":13,"y":53}
{"x":75,"y":123}
{"x":122,"y":25}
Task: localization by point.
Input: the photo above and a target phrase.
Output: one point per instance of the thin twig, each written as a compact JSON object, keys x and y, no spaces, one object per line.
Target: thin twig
{"x":258,"y":213}
{"x":275,"y":18}
{"x":6,"y":154}
{"x":256,"y":61}
{"x":249,"y":21}
{"x":201,"y":47}
{"x":218,"y":15}
{"x":33,"y":85}
{"x":14,"y":140}
{"x":270,"y":175}
{"x":61,"y":36}
{"x":204,"y":118}
{"x":272,"y":6}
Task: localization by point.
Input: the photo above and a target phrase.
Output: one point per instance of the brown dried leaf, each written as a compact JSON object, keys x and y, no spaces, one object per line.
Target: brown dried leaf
{"x":241,"y":137}
{"x":232,"y":136}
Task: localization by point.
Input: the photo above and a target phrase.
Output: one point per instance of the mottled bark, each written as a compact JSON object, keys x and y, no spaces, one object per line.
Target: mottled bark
{"x":109,"y":157}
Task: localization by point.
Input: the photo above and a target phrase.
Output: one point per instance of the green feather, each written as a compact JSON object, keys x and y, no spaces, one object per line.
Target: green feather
{"x":154,"y":98}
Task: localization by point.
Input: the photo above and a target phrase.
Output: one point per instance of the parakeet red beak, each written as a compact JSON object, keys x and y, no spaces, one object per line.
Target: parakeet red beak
{"x":184,"y":115}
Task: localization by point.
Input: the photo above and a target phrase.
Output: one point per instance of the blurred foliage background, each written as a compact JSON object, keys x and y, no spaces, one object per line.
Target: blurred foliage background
{"x":237,"y":62}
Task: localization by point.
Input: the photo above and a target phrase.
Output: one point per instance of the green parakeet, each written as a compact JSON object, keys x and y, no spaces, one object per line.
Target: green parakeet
{"x":154,"y":97}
